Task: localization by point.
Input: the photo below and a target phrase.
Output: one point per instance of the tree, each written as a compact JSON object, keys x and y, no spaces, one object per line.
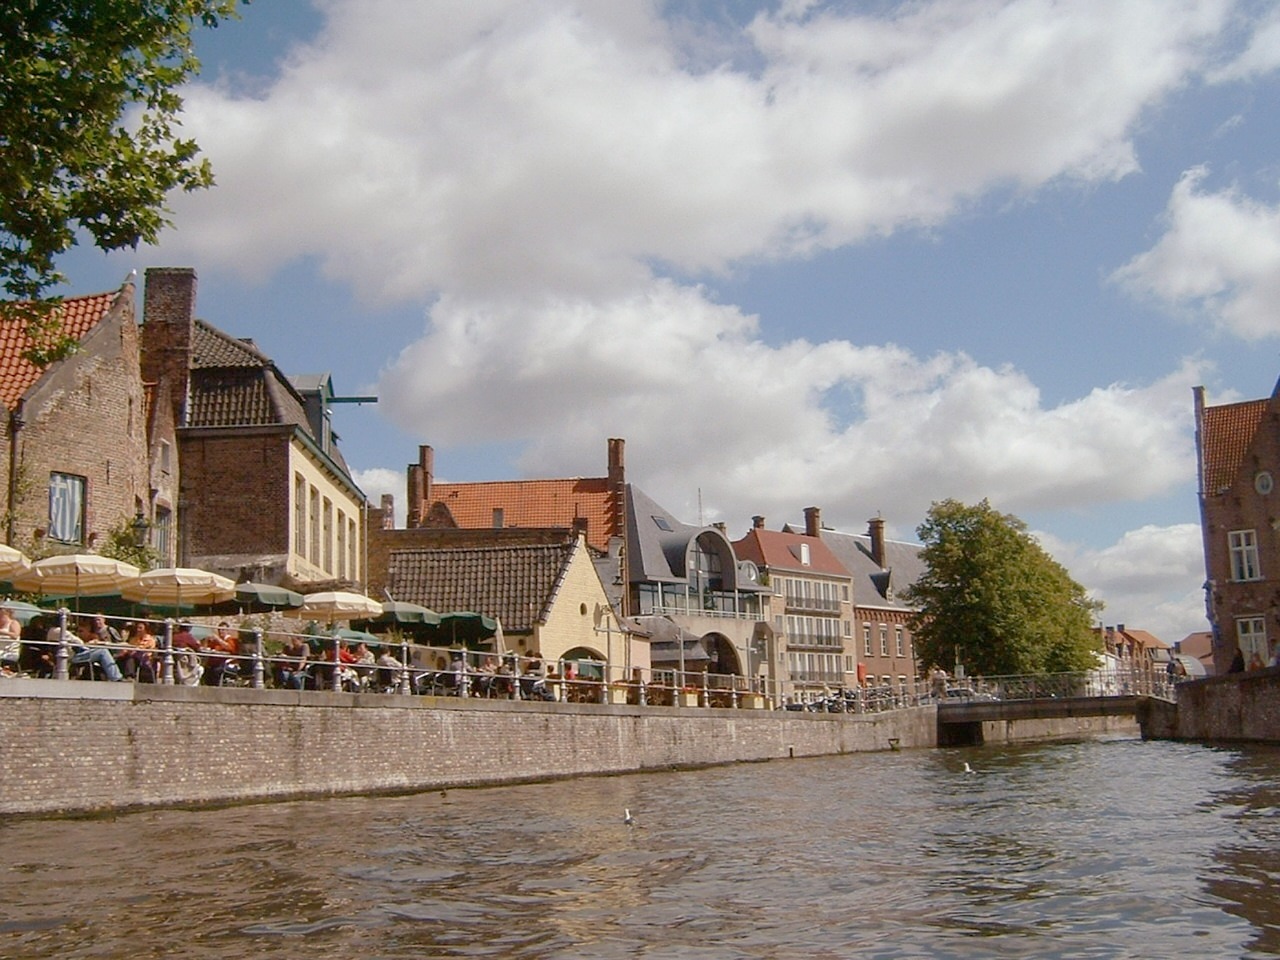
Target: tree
{"x":992,"y":599}
{"x":88,"y":141}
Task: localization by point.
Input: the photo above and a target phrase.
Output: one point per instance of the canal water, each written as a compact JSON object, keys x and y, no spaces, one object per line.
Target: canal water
{"x":1104,"y":848}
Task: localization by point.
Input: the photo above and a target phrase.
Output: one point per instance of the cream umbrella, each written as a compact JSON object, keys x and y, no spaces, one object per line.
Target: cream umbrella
{"x":340,"y":605}
{"x":13,"y":562}
{"x":76,"y":575}
{"x":175,"y":586}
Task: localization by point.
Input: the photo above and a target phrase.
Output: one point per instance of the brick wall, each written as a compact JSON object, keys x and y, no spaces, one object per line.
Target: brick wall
{"x":77,"y":746}
{"x":237,"y":489}
{"x":87,"y":417}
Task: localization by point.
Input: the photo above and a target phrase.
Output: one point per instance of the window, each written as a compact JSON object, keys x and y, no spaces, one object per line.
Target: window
{"x":804,"y":554}
{"x":66,"y":507}
{"x":162,"y":533}
{"x":353,"y":567}
{"x":884,"y":640}
{"x":299,"y":515}
{"x":166,"y":459}
{"x":866,"y":640}
{"x":314,"y":512}
{"x":897,"y":639}
{"x":1243,"y":546}
{"x":497,"y":518}
{"x":328,"y":535}
{"x":342,"y":547}
{"x":1251,"y":632}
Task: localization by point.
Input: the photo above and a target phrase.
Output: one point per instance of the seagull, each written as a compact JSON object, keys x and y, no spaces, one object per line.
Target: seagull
{"x":627,"y":818}
{"x":967,"y":768}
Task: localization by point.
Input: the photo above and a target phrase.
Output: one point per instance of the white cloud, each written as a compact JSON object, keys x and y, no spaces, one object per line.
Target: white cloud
{"x":1219,"y":256}
{"x":378,"y":481}
{"x":706,"y":405}
{"x":547,"y":145}
{"x":1260,"y":55}
{"x":1150,"y":579}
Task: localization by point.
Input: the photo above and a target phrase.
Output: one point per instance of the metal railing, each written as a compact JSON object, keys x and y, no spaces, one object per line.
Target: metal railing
{"x":332,"y":663}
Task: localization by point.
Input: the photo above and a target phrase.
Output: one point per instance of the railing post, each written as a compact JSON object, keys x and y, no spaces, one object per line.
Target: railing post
{"x":62,"y":656}
{"x":259,"y":668}
{"x":336,"y":686}
{"x":405,"y":686}
{"x":166,"y":668}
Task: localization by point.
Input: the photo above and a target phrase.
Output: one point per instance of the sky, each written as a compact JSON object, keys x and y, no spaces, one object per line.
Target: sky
{"x":863,"y":256}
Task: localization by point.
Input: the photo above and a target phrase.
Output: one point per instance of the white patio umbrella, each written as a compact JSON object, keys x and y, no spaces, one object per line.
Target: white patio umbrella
{"x":340,"y":605}
{"x":13,"y":562}
{"x":174,"y":586}
{"x":76,"y":575}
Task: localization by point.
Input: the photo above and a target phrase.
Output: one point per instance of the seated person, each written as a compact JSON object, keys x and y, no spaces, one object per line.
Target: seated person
{"x":290,"y":668}
{"x":187,"y":668}
{"x":389,"y":670}
{"x":218,"y":668}
{"x":91,"y":652}
{"x":37,"y":657}
{"x":10,"y":641}
{"x":140,"y":661}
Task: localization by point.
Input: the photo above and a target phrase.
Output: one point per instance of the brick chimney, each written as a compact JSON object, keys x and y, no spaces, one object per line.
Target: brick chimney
{"x":812,"y":522}
{"x":168,"y":327}
{"x":757,"y":522}
{"x":617,"y":487}
{"x":875,"y":530}
{"x":419,"y":487}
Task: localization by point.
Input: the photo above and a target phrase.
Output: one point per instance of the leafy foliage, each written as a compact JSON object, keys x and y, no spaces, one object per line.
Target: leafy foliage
{"x":994,"y":600}
{"x":88,"y":136}
{"x":122,"y":544}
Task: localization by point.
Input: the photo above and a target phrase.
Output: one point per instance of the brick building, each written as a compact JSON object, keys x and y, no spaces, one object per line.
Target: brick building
{"x":265,"y":493}
{"x":812,"y":605}
{"x":593,"y":505}
{"x":881,"y":570}
{"x":87,"y":443}
{"x":1238,"y":460}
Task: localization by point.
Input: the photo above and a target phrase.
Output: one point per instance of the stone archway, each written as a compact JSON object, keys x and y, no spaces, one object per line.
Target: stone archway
{"x":725,"y":658}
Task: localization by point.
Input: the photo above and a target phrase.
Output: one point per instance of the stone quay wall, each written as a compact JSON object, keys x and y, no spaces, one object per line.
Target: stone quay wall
{"x":1237,"y":707}
{"x":80,"y":747}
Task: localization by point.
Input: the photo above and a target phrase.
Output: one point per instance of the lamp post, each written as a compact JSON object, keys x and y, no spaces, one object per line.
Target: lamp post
{"x":141,"y":532}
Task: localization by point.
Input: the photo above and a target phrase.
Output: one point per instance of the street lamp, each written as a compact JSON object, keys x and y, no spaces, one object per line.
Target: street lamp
{"x":141,"y":530}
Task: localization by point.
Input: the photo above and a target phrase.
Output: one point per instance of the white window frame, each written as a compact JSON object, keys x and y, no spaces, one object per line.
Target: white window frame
{"x":1242,"y":545}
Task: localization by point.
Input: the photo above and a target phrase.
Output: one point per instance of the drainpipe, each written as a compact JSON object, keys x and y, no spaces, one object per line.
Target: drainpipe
{"x":16,"y":423}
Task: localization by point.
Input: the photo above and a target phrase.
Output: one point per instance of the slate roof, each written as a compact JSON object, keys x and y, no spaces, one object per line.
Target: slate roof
{"x":531,"y":503}
{"x":1226,"y":432}
{"x":874,"y":586}
{"x":79,"y":316}
{"x":516,"y":584}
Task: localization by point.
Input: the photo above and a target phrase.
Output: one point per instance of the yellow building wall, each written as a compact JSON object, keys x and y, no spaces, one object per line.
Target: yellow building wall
{"x":345,"y":508}
{"x":571,"y":622}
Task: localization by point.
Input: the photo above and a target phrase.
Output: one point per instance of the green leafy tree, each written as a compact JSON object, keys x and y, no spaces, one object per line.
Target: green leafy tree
{"x":88,"y":136}
{"x":992,"y":598}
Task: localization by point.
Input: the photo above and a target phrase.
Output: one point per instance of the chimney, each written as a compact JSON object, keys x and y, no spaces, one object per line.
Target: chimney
{"x":419,"y":487}
{"x":757,"y":522}
{"x":812,"y":522}
{"x":617,"y":487}
{"x":168,"y":328}
{"x":875,"y":530}
{"x":388,"y":511}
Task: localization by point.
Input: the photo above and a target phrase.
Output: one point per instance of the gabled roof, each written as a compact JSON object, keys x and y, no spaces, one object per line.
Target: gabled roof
{"x":79,"y":315}
{"x":1226,"y":433}
{"x":530,"y":503}
{"x":780,"y":551}
{"x":513,"y":583}
{"x":235,"y":385}
{"x":874,"y":586}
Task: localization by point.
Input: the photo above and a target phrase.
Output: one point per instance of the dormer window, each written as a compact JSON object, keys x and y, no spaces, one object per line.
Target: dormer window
{"x":804,"y":554}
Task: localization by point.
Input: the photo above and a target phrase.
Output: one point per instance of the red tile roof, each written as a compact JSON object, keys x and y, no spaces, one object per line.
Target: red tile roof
{"x":17,"y":375}
{"x":777,"y":550}
{"x":1225,"y":435}
{"x":532,"y":503}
